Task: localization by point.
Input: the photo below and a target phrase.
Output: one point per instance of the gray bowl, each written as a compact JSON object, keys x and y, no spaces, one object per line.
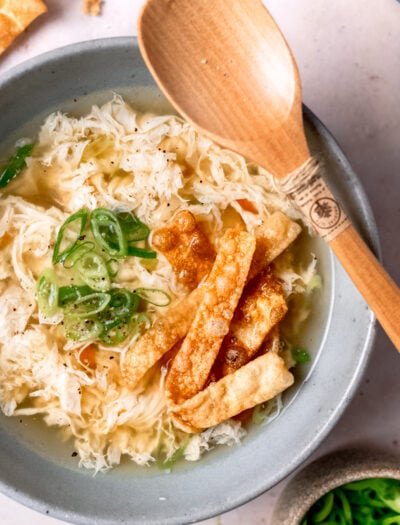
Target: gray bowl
{"x":38,"y":470}
{"x":327,"y":473}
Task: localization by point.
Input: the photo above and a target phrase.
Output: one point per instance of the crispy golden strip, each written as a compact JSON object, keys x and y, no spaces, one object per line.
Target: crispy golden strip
{"x":186,"y":247}
{"x":92,"y":7}
{"x":167,"y":330}
{"x":273,"y":237}
{"x":261,"y":307}
{"x":272,"y":343}
{"x":174,"y":325}
{"x":254,"y":383}
{"x":222,"y":290}
{"x":238,"y":357}
{"x":15,"y":16}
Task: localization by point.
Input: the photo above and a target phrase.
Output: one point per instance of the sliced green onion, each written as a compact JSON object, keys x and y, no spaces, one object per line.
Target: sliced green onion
{"x":123,"y":302}
{"x":177,"y":455}
{"x":142,"y":320}
{"x":15,"y":164}
{"x":93,"y":271}
{"x":367,"y":502}
{"x":345,"y":505}
{"x":134,"y":229}
{"x":141,"y":252}
{"x":389,"y":493}
{"x":112,"y":267}
{"x":47,"y":293}
{"x":327,"y":505}
{"x":123,"y":305}
{"x":68,"y":235}
{"x":154,"y":296}
{"x":82,"y":329}
{"x":95,"y":309}
{"x":88,"y":305}
{"x":108,"y":233}
{"x":116,"y":334}
{"x":69,"y":294}
{"x":300,"y":355}
{"x":78,"y":251}
{"x":391,"y":520}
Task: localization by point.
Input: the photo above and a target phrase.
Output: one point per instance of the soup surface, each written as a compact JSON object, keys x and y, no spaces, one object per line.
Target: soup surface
{"x":151,"y":287}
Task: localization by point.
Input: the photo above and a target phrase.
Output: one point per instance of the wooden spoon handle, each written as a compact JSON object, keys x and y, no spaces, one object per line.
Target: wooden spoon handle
{"x":320,"y":208}
{"x":375,"y":285}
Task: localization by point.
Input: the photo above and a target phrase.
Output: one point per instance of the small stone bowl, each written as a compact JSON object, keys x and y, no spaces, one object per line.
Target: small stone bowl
{"x":327,"y":473}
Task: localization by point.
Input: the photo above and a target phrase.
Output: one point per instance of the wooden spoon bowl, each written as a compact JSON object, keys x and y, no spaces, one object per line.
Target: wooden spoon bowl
{"x":227,"y":68}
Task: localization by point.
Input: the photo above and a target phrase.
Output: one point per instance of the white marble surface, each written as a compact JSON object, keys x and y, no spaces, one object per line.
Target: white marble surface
{"x":349,"y":58}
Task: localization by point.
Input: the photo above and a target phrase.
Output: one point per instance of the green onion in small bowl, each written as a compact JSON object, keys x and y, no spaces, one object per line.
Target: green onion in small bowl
{"x":371,"y":501}
{"x":349,"y":487}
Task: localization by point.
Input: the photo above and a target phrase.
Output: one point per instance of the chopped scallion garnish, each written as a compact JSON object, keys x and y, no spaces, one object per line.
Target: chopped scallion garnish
{"x":88,"y":305}
{"x":154,"y":296}
{"x":374,"y":501}
{"x":90,"y":245}
{"x":177,"y":455}
{"x":15,"y":164}
{"x":93,"y":271}
{"x":141,"y":252}
{"x":112,"y":267}
{"x":134,"y":229}
{"x":47,"y":293}
{"x":82,"y":329}
{"x":68,"y":235}
{"x":300,"y":355}
{"x":76,"y":253}
{"x":69,"y":294}
{"x":108,"y":233}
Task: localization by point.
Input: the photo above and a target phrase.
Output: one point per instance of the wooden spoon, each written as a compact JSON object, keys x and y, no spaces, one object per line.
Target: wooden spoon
{"x":226,"y":67}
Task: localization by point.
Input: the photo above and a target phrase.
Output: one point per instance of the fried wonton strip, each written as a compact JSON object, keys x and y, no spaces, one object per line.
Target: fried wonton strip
{"x":238,"y":356}
{"x":186,"y":247}
{"x":260,"y":308}
{"x":272,"y":343}
{"x":257,"y":382}
{"x":222,"y":290}
{"x":273,"y":237}
{"x":15,"y":16}
{"x":167,"y":330}
{"x":92,"y":7}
